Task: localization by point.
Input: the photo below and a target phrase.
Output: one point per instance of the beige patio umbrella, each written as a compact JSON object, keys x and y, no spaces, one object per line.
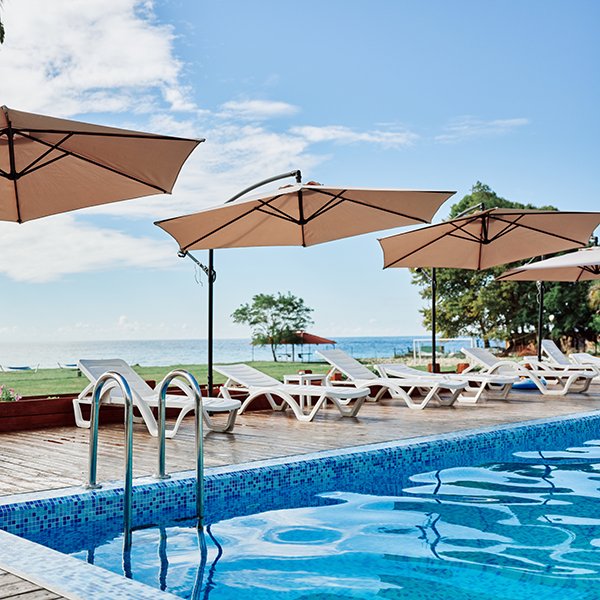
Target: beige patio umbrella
{"x":487,"y":239}
{"x":303,"y":215}
{"x":297,"y":215}
{"x":583,"y":265}
{"x":50,"y":165}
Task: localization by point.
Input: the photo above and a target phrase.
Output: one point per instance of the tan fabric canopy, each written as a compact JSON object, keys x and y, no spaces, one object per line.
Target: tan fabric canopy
{"x":303,"y":215}
{"x":582,"y":265}
{"x":489,"y":238}
{"x":50,"y":165}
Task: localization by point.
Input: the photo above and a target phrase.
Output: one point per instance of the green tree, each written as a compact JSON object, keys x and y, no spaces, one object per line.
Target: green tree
{"x":473,"y":303}
{"x":274,"y":319}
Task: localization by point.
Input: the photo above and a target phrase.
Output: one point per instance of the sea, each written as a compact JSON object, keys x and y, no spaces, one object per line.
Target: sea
{"x":146,"y":353}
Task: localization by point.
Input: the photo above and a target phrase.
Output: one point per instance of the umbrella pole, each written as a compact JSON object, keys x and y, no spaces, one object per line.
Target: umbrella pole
{"x":540,"y":317}
{"x":433,"y":286}
{"x":211,"y":281}
{"x":212,"y":276}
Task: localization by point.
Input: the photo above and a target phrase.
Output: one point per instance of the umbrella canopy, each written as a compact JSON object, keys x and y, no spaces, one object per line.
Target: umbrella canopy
{"x":486,"y":239}
{"x":303,"y":215}
{"x":50,"y":165}
{"x":489,"y":238}
{"x":582,"y":265}
{"x":309,"y":338}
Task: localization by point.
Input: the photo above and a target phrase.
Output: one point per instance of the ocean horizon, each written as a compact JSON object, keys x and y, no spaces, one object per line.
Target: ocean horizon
{"x":146,"y":353}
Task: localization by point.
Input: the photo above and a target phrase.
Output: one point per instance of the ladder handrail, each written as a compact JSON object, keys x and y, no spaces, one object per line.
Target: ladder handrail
{"x":162,"y":400}
{"x":93,"y":455}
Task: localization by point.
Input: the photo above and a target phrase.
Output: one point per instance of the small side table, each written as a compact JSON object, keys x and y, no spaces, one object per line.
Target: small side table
{"x":304,"y":379}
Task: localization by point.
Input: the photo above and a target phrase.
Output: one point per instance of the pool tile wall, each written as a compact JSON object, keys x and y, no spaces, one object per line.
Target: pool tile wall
{"x":73,"y":519}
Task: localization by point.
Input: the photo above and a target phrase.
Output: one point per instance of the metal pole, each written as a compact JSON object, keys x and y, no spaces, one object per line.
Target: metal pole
{"x":433,"y":300}
{"x":540,"y":315}
{"x":211,"y":281}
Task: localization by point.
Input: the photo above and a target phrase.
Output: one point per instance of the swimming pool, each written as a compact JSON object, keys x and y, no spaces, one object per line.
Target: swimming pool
{"x":298,"y":484}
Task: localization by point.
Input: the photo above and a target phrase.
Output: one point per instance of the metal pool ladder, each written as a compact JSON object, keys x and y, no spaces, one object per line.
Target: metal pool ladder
{"x":120,"y":381}
{"x":162,"y":396}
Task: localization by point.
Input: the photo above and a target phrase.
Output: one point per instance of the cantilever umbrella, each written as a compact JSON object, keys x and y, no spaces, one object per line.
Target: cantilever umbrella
{"x":303,"y":215}
{"x":298,"y":215}
{"x":50,"y":165}
{"x":487,"y":239}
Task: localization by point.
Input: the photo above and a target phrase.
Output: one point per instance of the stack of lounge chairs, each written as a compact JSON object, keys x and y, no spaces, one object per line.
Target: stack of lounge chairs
{"x":550,"y":380}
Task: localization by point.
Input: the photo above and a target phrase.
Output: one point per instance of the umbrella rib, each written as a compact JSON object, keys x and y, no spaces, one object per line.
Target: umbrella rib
{"x":531,"y":228}
{"x":253,"y":209}
{"x":122,"y":134}
{"x":458,"y":228}
{"x":333,"y":202}
{"x":66,"y":153}
{"x":30,"y":168}
{"x":11,"y":150}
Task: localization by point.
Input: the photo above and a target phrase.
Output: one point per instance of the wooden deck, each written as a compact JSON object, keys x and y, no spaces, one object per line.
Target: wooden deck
{"x":13,"y":586}
{"x":58,"y":457}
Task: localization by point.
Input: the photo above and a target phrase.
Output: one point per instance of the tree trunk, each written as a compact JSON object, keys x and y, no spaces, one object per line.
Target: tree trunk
{"x":273,"y":348}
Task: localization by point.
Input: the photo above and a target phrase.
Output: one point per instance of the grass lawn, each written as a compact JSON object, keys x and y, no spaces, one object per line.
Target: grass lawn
{"x":52,"y":382}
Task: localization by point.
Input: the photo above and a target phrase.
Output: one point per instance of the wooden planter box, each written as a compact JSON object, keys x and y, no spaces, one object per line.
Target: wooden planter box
{"x":38,"y":412}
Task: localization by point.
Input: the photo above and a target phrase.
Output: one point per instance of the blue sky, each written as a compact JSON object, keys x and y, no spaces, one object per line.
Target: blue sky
{"x":428,"y":95}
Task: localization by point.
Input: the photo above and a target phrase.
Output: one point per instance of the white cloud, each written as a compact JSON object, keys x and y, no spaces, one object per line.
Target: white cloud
{"x":256,"y":109}
{"x":468,"y":127}
{"x":344,"y":135}
{"x":75,"y":56}
{"x":50,"y":248}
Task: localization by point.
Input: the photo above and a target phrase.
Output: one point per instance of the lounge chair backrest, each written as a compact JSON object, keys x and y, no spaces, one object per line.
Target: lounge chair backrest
{"x":349,"y":366}
{"x":246,"y":375}
{"x":93,"y":369}
{"x":481,"y":355}
{"x":553,"y":351}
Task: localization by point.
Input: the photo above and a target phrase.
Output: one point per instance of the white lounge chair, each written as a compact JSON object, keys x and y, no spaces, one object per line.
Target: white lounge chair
{"x":363,"y":378}
{"x":556,"y":359}
{"x":247,"y":379}
{"x":584,"y":358}
{"x":145,"y":398}
{"x":497,"y":386}
{"x":550,"y":382}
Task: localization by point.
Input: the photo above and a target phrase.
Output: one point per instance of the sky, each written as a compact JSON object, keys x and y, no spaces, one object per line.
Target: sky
{"x":388,"y":93}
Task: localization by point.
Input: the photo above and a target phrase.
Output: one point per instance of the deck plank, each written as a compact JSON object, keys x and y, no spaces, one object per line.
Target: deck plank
{"x":16,"y":588}
{"x":58,"y":457}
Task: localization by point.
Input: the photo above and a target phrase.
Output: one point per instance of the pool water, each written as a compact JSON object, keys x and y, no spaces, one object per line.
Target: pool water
{"x":524,"y":529}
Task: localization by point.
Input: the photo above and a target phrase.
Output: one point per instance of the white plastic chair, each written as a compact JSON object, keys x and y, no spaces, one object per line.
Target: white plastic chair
{"x":363,"y":378}
{"x":145,"y":398}
{"x":497,"y":386}
{"x":253,"y":382}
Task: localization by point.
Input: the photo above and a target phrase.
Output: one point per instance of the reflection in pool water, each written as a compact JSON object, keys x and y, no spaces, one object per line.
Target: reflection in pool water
{"x":519,"y":530}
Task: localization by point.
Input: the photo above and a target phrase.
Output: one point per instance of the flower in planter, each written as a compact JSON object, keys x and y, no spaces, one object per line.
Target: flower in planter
{"x":8,"y":394}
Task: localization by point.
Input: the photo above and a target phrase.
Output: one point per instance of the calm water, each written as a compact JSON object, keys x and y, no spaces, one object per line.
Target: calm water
{"x":518,"y":530}
{"x":172,"y":352}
